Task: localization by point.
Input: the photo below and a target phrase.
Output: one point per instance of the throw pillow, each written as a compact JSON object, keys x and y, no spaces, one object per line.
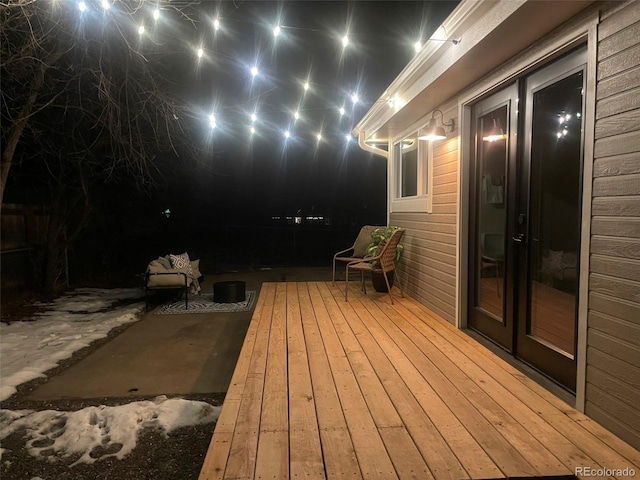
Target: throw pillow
{"x":195,"y":267}
{"x":181,"y":261}
{"x":362,"y":243}
{"x":165,"y":262}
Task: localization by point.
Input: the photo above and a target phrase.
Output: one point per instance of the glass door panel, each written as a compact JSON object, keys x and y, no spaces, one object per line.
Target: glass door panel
{"x":556,"y":166}
{"x":491,"y":272}
{"x":550,"y":199}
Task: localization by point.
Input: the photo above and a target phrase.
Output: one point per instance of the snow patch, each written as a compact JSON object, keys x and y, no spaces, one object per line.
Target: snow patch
{"x":70,"y":323}
{"x":95,"y":433}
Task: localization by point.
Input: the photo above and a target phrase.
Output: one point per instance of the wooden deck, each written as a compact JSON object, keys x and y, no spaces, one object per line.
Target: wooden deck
{"x":367,"y":390}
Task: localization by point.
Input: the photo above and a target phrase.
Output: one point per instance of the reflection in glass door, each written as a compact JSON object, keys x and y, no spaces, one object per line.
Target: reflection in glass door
{"x":492,"y":212}
{"x":555,"y":211}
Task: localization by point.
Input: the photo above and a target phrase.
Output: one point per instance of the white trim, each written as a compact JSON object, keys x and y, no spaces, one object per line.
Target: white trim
{"x":423,"y":202}
{"x":465,"y":15}
{"x":417,"y":204}
{"x":585,"y":234}
{"x":462,"y":229}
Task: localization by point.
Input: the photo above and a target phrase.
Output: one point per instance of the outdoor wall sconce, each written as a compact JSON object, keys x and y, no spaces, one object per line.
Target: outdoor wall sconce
{"x":434,"y":132}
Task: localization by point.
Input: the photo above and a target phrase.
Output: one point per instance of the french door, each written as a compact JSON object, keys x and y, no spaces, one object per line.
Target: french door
{"x":525,"y":216}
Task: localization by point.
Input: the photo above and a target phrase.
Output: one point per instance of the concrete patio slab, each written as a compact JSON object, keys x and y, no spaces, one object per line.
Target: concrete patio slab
{"x":169,"y":354}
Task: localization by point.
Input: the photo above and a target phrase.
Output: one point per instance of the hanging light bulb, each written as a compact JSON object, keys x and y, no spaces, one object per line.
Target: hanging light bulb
{"x":82,"y":6}
{"x":254,"y":71}
{"x":319,"y":136}
{"x":141,"y":29}
{"x":354,"y":98}
{"x":342,"y":111}
{"x":156,"y":14}
{"x":276,"y":30}
{"x":216,"y":24}
{"x":105,"y":4}
{"x":345,"y":41}
{"x":306,"y":86}
{"x":417,"y":46}
{"x":200,"y":52}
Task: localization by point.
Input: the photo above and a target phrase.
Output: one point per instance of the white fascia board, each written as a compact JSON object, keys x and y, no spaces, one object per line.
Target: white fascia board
{"x":470,"y":22}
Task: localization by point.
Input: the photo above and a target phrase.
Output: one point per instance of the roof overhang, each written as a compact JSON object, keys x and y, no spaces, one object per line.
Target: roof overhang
{"x":490,"y":32}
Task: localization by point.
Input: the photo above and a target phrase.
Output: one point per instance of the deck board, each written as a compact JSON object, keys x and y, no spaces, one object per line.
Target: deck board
{"x":326,"y":389}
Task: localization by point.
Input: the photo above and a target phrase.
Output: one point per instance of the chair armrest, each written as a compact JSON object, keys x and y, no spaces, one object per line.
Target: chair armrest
{"x":343,"y":251}
{"x":172,"y":278}
{"x":369,"y":260}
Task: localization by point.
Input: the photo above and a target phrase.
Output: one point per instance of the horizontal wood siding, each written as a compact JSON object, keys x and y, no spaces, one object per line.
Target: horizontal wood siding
{"x":428,"y":267}
{"x":613,"y":338}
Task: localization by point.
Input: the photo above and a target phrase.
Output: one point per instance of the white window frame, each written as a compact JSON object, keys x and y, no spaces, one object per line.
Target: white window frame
{"x":422,"y":202}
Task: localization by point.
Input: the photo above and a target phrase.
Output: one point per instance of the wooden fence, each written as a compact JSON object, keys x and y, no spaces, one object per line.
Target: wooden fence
{"x":23,"y":233}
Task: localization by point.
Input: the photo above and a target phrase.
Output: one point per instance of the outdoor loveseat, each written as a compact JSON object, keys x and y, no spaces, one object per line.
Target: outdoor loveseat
{"x":172,"y":272}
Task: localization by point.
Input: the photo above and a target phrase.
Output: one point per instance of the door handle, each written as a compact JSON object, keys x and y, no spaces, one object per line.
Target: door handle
{"x":519,"y":238}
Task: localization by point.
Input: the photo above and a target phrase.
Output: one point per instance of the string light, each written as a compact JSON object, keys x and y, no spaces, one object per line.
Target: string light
{"x":394,"y":102}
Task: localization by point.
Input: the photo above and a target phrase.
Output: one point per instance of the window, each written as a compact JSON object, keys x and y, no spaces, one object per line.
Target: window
{"x":411,"y":174}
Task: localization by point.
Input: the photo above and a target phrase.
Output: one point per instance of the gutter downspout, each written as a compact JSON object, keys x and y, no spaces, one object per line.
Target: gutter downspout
{"x":369,"y":148}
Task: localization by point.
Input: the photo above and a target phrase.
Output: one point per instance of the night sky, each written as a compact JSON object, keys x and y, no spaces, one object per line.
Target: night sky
{"x":229,"y":175}
{"x":244,"y":177}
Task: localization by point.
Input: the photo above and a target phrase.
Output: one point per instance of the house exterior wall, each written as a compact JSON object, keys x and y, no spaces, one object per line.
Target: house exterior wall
{"x":428,"y":268}
{"x":613,"y":326}
{"x":430,"y":265}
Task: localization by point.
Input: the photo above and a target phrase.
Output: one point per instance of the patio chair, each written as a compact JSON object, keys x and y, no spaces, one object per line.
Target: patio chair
{"x":358,"y":249}
{"x":383,"y":262}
